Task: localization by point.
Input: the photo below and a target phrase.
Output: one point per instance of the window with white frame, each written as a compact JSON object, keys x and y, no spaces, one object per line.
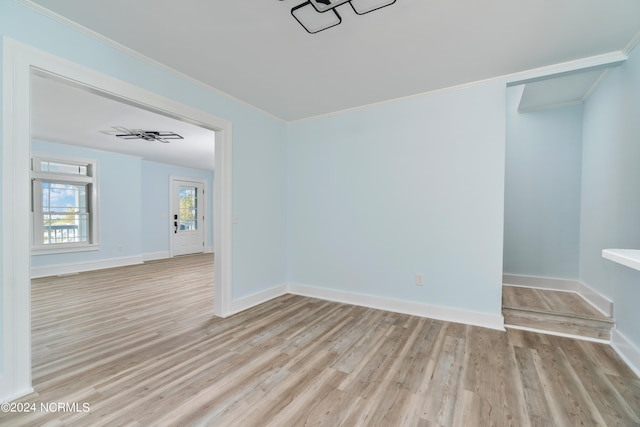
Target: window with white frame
{"x":64,"y":204}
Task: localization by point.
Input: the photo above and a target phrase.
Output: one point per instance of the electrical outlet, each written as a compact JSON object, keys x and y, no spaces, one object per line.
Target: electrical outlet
{"x":419,"y":279}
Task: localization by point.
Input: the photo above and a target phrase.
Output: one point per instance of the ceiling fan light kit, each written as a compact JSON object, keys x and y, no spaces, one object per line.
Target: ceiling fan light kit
{"x":320,"y":15}
{"x":146,"y":135}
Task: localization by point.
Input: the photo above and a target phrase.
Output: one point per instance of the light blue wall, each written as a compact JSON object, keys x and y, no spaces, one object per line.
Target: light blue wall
{"x":1,"y":207}
{"x":120,"y":214}
{"x":259,"y":146}
{"x":611,"y":191}
{"x":542,"y":190}
{"x":155,"y":204}
{"x":415,"y":186}
{"x":259,"y":185}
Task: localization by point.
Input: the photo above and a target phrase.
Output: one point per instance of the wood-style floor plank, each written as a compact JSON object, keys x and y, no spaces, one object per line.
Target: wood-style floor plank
{"x":141,"y":347}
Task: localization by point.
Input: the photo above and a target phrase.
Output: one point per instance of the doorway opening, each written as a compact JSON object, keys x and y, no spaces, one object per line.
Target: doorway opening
{"x":20,"y":63}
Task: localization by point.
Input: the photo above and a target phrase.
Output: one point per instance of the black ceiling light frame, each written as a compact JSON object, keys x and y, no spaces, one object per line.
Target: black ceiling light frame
{"x":360,"y":8}
{"x":147,"y":135}
{"x":320,"y":15}
{"x":306,"y":9}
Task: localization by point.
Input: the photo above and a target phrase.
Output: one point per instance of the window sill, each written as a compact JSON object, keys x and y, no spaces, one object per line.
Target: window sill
{"x":627,"y":257}
{"x":48,"y":250}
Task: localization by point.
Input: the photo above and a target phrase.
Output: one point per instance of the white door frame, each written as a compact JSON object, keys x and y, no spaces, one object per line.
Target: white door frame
{"x":203,"y":210}
{"x":18,"y":62}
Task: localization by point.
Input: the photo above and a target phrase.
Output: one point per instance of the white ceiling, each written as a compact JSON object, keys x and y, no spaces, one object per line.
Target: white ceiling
{"x":256,"y":51}
{"x":67,"y":114}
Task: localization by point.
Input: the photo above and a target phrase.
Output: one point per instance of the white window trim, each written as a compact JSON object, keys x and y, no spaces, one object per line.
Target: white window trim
{"x":94,"y":245}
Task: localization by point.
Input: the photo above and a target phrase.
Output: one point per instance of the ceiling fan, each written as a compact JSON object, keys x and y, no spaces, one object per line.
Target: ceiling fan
{"x":147,"y":135}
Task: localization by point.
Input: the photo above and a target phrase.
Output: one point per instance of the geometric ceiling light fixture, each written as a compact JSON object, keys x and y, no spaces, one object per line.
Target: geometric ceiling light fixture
{"x":365,"y":6}
{"x":319,"y":15}
{"x":146,"y":135}
{"x":314,"y":21}
{"x":324,"y":5}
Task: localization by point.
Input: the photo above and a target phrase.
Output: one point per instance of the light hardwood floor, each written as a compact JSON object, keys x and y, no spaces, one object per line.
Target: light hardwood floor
{"x":141,"y":347}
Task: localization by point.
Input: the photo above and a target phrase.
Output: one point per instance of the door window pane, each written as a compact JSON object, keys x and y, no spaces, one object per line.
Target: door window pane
{"x":188,"y":213}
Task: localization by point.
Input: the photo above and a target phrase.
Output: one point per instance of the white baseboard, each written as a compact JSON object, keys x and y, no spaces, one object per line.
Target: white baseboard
{"x":249,"y":301}
{"x":79,"y":267}
{"x":400,"y":306}
{"x":597,"y":300}
{"x":626,"y":350}
{"x":152,"y":256}
{"x":371,"y":301}
{"x":16,"y":395}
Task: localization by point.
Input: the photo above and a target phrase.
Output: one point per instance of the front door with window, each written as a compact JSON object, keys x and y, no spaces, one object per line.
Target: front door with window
{"x":187,"y":217}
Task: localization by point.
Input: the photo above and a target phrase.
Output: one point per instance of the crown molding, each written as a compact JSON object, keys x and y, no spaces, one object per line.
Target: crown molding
{"x":595,"y":84}
{"x":591,"y":63}
{"x":632,"y":44}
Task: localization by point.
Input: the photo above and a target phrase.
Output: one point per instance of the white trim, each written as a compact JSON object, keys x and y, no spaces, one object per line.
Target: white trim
{"x":19,"y":61}
{"x":605,"y":60}
{"x":596,"y":299}
{"x":91,"y":178}
{"x":134,"y":53}
{"x":152,"y":256}
{"x":557,"y":334}
{"x":632,"y":44}
{"x":258,"y":298}
{"x":590,"y":295}
{"x":626,"y":350}
{"x":447,"y":314}
{"x":16,"y":301}
{"x":596,"y":84}
{"x":79,"y":267}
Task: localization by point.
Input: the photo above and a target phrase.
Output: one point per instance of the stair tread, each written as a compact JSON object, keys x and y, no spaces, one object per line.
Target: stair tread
{"x":549,"y":301}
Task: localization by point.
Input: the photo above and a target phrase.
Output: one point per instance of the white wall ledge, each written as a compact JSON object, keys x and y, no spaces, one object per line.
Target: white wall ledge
{"x":626,"y":257}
